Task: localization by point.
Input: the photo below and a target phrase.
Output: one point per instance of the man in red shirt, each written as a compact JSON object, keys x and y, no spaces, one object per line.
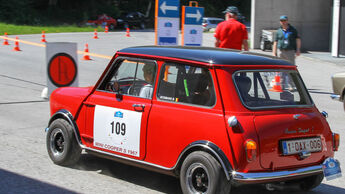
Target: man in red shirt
{"x":231,"y":33}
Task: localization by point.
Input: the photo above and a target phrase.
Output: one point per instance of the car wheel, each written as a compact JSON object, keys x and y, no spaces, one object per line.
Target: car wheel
{"x":62,"y":145}
{"x":142,"y":25}
{"x":201,"y":173}
{"x":311,"y":182}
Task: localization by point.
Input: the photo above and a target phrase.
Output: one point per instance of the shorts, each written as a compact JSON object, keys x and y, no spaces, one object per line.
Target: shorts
{"x":288,"y":55}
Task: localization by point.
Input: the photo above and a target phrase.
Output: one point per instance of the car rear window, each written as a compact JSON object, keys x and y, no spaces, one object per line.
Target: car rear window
{"x":265,"y":89}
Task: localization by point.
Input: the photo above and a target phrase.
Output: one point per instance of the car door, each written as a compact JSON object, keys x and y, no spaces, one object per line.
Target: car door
{"x":118,"y":110}
{"x":185,"y":111}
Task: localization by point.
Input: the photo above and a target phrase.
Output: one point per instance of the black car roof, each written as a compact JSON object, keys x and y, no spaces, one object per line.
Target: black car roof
{"x":207,"y":55}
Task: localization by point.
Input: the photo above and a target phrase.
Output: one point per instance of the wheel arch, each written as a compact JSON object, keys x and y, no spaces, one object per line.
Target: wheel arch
{"x":66,"y":115}
{"x":210,"y":148}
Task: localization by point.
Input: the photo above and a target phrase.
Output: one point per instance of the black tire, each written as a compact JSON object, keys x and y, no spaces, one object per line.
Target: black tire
{"x":201,"y":173}
{"x":62,"y":145}
{"x":311,"y":182}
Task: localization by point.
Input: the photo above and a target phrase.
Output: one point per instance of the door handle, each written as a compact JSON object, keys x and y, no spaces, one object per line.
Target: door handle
{"x":139,"y":107}
{"x":91,"y":104}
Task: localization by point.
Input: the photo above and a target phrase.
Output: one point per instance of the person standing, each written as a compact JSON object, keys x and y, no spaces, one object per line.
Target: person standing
{"x":287,"y":41}
{"x":231,"y":33}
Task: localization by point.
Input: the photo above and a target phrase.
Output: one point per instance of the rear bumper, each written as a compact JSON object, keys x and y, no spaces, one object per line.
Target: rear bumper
{"x":266,"y":177}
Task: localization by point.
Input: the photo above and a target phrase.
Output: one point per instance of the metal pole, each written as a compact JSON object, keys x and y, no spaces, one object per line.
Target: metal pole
{"x":336,"y":28}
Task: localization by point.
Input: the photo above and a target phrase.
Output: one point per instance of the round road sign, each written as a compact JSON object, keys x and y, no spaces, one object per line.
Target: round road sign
{"x":62,"y":70}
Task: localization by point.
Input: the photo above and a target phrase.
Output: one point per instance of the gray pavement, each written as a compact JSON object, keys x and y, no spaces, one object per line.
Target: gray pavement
{"x":325,"y":57}
{"x":24,"y":163}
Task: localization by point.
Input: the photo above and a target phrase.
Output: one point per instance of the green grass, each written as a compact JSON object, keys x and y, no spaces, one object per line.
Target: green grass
{"x":12,"y":29}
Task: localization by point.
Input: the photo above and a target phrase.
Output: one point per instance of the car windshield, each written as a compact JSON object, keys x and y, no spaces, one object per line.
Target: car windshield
{"x":267,"y":89}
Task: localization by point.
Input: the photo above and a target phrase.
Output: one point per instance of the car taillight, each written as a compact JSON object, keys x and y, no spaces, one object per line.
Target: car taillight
{"x":204,"y":25}
{"x":336,"y":141}
{"x":251,"y":149}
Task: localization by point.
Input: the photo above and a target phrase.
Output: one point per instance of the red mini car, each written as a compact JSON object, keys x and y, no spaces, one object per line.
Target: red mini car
{"x":103,"y":20}
{"x":212,"y":117}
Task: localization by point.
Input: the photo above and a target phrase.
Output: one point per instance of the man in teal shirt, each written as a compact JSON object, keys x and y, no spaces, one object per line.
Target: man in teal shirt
{"x":287,"y":41}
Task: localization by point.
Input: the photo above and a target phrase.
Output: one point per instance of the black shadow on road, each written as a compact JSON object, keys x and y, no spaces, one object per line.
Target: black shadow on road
{"x":148,"y":179}
{"x":14,"y":183}
{"x":171,"y":185}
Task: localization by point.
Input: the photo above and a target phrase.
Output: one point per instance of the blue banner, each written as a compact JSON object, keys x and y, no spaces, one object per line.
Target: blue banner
{"x":169,"y":8}
{"x":194,"y":15}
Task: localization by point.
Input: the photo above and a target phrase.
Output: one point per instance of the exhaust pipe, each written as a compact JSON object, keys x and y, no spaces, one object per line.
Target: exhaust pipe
{"x":282,"y":186}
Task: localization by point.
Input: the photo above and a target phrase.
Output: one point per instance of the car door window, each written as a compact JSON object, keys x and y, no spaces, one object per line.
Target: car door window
{"x":130,"y":77}
{"x":186,"y":84}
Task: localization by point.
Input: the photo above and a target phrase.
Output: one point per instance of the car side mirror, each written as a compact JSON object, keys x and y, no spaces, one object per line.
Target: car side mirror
{"x":116,"y":87}
{"x":324,"y":114}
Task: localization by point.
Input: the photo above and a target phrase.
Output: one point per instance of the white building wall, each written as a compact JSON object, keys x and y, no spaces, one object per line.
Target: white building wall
{"x":311,"y":18}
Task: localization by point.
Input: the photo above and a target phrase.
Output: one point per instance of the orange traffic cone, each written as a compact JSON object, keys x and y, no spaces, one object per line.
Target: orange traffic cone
{"x":106,"y":29}
{"x":95,"y":34}
{"x":86,"y":55}
{"x":16,"y":45}
{"x":5,"y":40}
{"x":43,"y":37}
{"x":127,"y":33}
{"x":276,"y":84}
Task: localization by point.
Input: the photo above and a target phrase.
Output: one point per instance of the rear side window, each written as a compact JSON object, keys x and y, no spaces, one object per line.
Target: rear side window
{"x":264,"y":89}
{"x":186,"y":84}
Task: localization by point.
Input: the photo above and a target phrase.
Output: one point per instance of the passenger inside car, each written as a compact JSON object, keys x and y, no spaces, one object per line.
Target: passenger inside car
{"x":244,"y":84}
{"x":187,"y":84}
{"x":199,"y":86}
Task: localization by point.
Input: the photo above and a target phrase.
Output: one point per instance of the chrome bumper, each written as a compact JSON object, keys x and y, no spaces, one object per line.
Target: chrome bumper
{"x":265,"y":177}
{"x":335,"y":97}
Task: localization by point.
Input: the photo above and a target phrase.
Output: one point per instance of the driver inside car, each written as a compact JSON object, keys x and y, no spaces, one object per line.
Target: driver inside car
{"x":146,"y":90}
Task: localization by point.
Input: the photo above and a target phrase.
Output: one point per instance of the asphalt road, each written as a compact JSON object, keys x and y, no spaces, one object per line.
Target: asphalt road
{"x":24,"y":163}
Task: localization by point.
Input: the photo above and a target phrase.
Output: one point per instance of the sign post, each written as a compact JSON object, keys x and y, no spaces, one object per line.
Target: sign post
{"x":62,"y":68}
{"x":192,"y":25}
{"x":336,"y":28}
{"x":167,"y":22}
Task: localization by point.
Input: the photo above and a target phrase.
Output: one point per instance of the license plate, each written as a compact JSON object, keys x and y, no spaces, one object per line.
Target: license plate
{"x":298,"y":145}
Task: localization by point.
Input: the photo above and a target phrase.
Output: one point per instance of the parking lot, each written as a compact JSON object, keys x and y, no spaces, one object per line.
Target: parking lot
{"x":25,"y":166}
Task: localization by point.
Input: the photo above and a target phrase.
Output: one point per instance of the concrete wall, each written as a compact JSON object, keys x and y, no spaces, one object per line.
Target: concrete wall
{"x":311,"y":18}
